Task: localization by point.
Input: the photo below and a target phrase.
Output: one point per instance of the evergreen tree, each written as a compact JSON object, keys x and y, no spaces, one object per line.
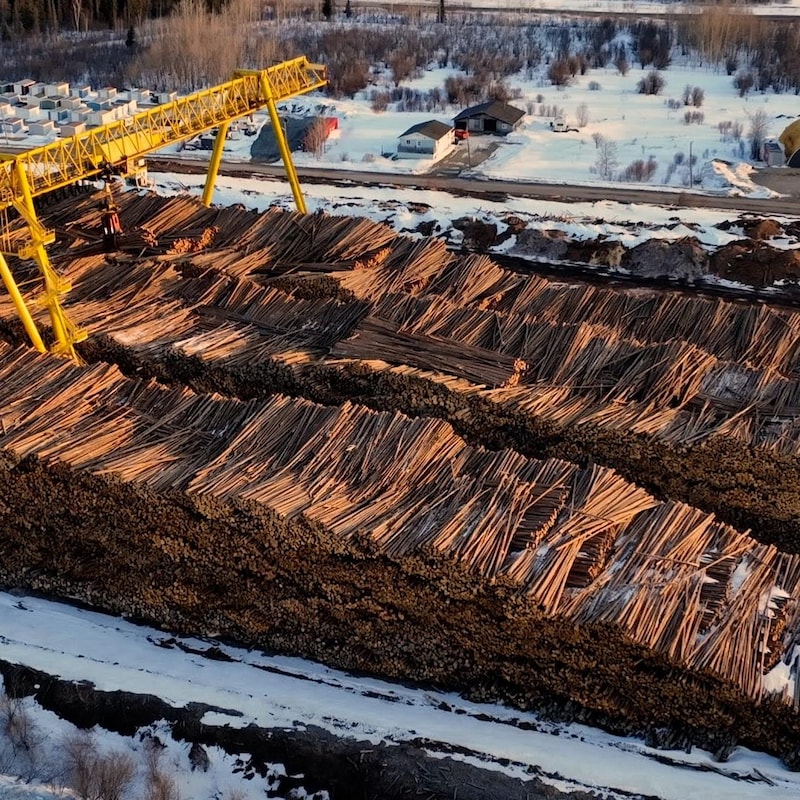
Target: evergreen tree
{"x":327,"y":9}
{"x":440,"y":13}
{"x":130,"y":39}
{"x":348,"y":10}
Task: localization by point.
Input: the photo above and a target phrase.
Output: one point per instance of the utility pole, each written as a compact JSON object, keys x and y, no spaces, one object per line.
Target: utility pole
{"x":691,"y":176}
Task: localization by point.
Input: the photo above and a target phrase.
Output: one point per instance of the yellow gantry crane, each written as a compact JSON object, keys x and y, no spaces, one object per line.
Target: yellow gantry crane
{"x":117,"y":149}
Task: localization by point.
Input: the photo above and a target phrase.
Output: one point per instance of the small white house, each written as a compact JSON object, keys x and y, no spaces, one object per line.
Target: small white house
{"x":30,"y":113}
{"x":71,"y":129}
{"x":430,"y":139}
{"x":13,"y":125}
{"x":772,"y":153}
{"x":23,"y":86}
{"x":60,"y":89}
{"x":104,"y":117}
{"x":43,"y":127}
{"x":80,"y":114}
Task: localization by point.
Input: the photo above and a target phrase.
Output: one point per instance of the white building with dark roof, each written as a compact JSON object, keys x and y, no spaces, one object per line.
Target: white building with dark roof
{"x":431,"y":139}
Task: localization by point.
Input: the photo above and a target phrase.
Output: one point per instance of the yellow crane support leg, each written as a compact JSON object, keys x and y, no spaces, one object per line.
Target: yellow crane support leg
{"x":213,"y":167}
{"x":283,"y":145}
{"x":65,"y":331}
{"x":19,"y":305}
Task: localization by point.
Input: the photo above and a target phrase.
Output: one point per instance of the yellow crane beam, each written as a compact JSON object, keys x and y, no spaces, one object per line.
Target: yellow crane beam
{"x":118,"y":147}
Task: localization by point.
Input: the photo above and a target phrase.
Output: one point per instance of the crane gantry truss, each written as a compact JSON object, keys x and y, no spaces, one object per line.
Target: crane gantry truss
{"x":118,"y":148}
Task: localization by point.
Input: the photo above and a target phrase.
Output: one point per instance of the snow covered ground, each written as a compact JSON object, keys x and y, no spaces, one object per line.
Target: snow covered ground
{"x":639,"y":7}
{"x":641,"y":127}
{"x":405,"y":211}
{"x":269,"y":691}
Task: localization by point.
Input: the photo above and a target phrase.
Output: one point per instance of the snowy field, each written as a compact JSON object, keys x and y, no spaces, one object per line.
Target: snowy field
{"x":641,"y":127}
{"x":642,"y":7}
{"x":283,"y":692}
{"x":623,"y":222}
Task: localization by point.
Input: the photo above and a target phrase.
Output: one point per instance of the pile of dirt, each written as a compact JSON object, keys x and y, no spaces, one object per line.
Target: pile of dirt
{"x":684,"y":259}
{"x":755,"y":263}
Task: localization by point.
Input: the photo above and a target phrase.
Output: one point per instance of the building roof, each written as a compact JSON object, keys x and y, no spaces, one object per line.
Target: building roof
{"x":433,"y":129}
{"x":500,"y":111}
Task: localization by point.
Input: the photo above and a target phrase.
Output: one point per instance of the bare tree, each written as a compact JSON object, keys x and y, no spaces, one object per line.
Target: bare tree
{"x":315,"y":137}
{"x":161,"y":786}
{"x":76,"y":7}
{"x":115,"y":772}
{"x":606,"y":162}
{"x":582,"y":115}
{"x":22,"y":735}
{"x":757,"y":132}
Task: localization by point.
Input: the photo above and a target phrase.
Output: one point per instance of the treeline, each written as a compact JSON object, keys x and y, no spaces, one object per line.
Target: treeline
{"x":20,"y":17}
{"x":194,"y":45}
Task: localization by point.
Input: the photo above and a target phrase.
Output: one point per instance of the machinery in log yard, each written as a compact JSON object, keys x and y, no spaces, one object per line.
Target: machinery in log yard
{"x":118,"y":149}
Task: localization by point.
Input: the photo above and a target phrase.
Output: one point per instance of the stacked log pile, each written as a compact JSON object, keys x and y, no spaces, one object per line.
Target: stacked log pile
{"x":622,"y":376}
{"x":581,"y":558}
{"x":582,"y":544}
{"x":685,"y":369}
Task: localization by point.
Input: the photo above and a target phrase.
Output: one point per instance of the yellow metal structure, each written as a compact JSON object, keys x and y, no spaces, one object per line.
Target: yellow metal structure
{"x":117,"y":149}
{"x":790,"y":138}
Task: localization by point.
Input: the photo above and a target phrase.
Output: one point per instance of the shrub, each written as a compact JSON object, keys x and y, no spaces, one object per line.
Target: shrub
{"x":380,"y":101}
{"x":22,"y":733}
{"x":315,"y":137}
{"x":693,"y":117}
{"x":606,"y":162}
{"x":639,"y":170}
{"x":757,"y":132}
{"x":744,"y":82}
{"x":115,"y":772}
{"x":652,"y":83}
{"x":622,"y":65}
{"x":582,"y":115}
{"x":698,"y":96}
{"x":560,"y":72}
{"x":674,"y":103}
{"x":594,"y":86}
{"x":96,"y":775}
{"x":161,"y":787}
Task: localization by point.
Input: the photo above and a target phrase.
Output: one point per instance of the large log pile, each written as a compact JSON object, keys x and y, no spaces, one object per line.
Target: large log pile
{"x":696,"y":397}
{"x":582,"y":544}
{"x":491,"y":351}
